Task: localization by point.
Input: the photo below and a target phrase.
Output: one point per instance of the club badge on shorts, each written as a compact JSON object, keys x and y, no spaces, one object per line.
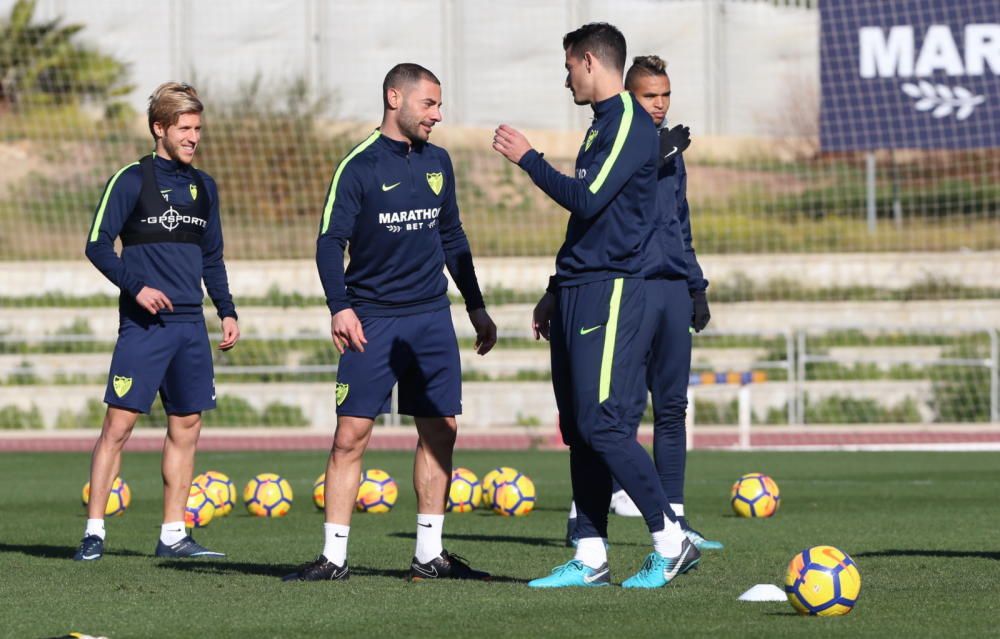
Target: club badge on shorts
{"x":342,"y":390}
{"x":436,"y":182}
{"x":121,"y":385}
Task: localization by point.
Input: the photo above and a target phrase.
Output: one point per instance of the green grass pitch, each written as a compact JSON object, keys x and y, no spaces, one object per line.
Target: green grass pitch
{"x":922,"y":527}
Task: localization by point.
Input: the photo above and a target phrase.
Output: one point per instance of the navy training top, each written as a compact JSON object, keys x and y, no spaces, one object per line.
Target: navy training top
{"x":611,"y":199}
{"x":167,"y":214}
{"x":395,"y":206}
{"x":668,"y":252}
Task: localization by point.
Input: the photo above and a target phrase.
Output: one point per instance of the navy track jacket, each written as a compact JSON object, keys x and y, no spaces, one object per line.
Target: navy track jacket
{"x":611,"y":198}
{"x":172,"y":239}
{"x":396,"y":208}
{"x":668,"y":252}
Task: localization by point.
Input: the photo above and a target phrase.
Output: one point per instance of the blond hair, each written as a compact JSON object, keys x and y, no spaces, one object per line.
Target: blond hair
{"x":170,"y":101}
{"x":644,"y":66}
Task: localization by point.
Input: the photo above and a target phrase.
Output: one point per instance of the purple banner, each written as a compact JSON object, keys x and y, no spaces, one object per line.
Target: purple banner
{"x":909,"y":74}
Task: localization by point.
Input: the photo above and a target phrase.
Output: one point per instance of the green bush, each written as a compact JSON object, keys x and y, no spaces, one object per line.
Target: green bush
{"x":14,"y":418}
{"x":837,"y":409}
{"x":278,"y":414}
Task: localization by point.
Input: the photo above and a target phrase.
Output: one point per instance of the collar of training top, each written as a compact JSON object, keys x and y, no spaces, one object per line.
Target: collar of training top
{"x":170,"y":166}
{"x":399,"y":147}
{"x":608,"y":105}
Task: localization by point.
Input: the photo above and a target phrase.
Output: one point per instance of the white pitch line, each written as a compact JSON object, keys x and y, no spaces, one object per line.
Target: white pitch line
{"x":944,"y":447}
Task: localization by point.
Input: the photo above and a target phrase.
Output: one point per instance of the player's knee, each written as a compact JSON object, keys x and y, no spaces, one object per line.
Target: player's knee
{"x":348,"y":444}
{"x":117,"y":429}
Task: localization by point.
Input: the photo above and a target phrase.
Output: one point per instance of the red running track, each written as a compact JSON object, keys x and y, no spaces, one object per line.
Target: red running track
{"x":518,"y":439}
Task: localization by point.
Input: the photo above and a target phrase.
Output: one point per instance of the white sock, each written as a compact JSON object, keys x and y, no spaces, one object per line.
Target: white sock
{"x":429,"y":529}
{"x":94,"y":527}
{"x":172,"y":532}
{"x":668,"y":541}
{"x":572,"y":509}
{"x":678,"y":509}
{"x":592,"y":552}
{"x":335,"y":543}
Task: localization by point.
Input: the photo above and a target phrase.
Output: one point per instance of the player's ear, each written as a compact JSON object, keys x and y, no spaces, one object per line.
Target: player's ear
{"x":394,"y":98}
{"x":158,"y":130}
{"x":588,"y":61}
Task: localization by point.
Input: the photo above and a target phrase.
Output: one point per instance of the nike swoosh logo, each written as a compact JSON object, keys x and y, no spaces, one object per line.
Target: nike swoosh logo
{"x":674,"y":570}
{"x":427,"y":573}
{"x":392,"y":186}
{"x":664,"y":157}
{"x":589,"y":579}
{"x":425,"y":525}
{"x":584,"y":331}
{"x":89,"y":557}
{"x":339,"y":536}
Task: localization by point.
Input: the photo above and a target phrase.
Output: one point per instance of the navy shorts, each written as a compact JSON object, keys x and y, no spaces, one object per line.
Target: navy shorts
{"x":420,"y":352}
{"x":598,"y":357}
{"x":173,"y":358}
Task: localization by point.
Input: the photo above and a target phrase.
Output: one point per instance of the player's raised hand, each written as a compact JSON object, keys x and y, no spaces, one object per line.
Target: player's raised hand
{"x":230,"y":333}
{"x":486,"y":330}
{"x":674,"y":141}
{"x":153,"y":300}
{"x":510,"y":143}
{"x":541,"y":317}
{"x":347,"y":332}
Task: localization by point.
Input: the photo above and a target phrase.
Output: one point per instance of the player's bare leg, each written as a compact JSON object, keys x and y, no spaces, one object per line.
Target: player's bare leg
{"x":178,"y":463}
{"x":343,"y":475}
{"x":432,"y":479}
{"x":105,"y":464}
{"x":432,"y":462}
{"x":178,"y":467}
{"x":343,"y":470}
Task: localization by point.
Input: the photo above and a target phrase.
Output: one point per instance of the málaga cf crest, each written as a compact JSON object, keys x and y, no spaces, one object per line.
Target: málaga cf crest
{"x":436,"y":182}
{"x":121,"y":385}
{"x":193,"y":188}
{"x":590,"y":139}
{"x":342,"y":390}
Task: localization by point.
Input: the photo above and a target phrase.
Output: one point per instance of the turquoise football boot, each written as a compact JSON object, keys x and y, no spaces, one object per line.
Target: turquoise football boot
{"x":657,"y":571}
{"x":700,"y":542}
{"x":574,"y":574}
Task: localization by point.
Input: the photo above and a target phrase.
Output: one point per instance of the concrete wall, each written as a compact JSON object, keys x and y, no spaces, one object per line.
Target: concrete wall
{"x":254,"y":278}
{"x":499,"y":60}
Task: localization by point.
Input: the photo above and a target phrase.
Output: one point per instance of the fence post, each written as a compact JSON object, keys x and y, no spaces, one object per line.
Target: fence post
{"x":394,"y":406}
{"x":994,"y":376}
{"x":800,"y":378}
{"x":745,"y":416}
{"x":870,"y":190}
{"x":792,"y":375}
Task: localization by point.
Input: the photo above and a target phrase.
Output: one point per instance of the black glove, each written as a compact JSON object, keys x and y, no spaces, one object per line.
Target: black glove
{"x":674,"y":141}
{"x":700,"y":315}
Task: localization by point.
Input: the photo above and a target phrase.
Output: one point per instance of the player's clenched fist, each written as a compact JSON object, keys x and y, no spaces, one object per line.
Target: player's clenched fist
{"x":347,"y":332}
{"x":510,"y":143}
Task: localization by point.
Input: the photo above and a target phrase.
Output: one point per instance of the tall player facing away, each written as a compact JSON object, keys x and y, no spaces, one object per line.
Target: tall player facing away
{"x":676,"y":300}
{"x":393,"y":200}
{"x":597,"y":357}
{"x":167,"y":215}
